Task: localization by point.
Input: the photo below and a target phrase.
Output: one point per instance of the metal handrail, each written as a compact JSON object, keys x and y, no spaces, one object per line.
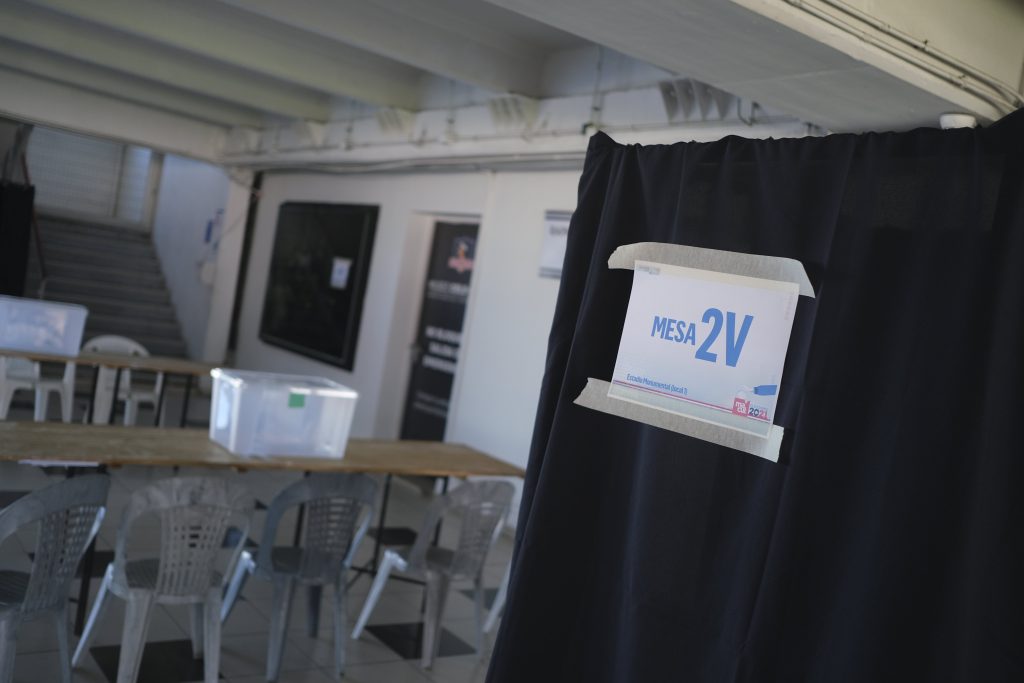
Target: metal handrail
{"x":35,"y":229}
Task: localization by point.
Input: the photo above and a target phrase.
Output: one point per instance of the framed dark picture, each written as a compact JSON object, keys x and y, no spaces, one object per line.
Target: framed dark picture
{"x":317,"y":279}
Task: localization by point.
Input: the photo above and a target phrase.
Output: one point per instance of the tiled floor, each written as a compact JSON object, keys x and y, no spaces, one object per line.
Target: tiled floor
{"x":167,"y":657}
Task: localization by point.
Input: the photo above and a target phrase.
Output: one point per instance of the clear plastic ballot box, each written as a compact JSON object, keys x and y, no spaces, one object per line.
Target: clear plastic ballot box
{"x":44,"y":326}
{"x":266,"y":413}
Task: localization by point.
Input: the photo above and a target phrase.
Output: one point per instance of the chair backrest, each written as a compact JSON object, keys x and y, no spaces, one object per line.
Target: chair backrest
{"x":112,"y":343}
{"x":338,"y":511}
{"x":18,"y":368}
{"x":194,"y":514}
{"x":69,"y":514}
{"x":482,"y":507}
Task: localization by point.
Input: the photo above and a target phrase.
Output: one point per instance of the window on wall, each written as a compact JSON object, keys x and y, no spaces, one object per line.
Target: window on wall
{"x":90,"y":176}
{"x":318,"y":274}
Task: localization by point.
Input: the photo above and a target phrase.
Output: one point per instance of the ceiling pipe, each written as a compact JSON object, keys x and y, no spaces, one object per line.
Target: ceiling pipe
{"x":1004,"y":99}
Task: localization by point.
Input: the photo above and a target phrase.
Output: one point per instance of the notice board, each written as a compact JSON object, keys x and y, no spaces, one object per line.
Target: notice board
{"x":317,"y":279}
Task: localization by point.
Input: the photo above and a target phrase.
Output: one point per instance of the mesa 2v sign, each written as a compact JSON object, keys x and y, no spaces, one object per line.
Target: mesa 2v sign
{"x":706,"y":345}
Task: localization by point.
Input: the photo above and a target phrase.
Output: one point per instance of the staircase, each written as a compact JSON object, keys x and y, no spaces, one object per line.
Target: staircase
{"x":115,"y":273}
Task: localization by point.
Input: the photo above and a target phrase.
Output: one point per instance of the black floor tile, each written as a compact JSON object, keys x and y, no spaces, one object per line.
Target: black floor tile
{"x":8,"y":497}
{"x":231,"y":539}
{"x":489,"y":595}
{"x":407,"y":640}
{"x":168,"y":661}
{"x":393,"y":535}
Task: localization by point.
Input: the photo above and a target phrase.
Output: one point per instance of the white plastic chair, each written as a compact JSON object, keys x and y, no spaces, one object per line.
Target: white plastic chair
{"x":132,"y":396}
{"x":482,"y":507}
{"x":194,"y":513}
{"x":499,"y":601}
{"x":20,"y":374}
{"x":69,"y":515}
{"x":338,"y":511}
{"x":16,"y":374}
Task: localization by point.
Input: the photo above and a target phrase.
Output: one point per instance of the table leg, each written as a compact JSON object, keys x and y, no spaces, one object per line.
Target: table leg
{"x":88,"y":560}
{"x":299,"y":518}
{"x":113,"y":398}
{"x":184,"y":404}
{"x":297,"y":538}
{"x":380,"y":523}
{"x":160,"y":400}
{"x":92,"y":393}
{"x":437,"y":531}
{"x":83,"y":587}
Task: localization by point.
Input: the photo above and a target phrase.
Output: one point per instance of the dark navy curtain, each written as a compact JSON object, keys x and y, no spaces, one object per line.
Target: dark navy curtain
{"x":887,"y":544}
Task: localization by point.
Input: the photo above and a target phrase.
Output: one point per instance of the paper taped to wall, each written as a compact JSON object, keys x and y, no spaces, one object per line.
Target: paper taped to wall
{"x":705,"y":344}
{"x":732,"y":262}
{"x":595,"y":396}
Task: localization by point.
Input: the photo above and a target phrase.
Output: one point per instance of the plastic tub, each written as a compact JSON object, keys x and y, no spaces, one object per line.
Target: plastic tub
{"x":46,"y":326}
{"x":266,"y":413}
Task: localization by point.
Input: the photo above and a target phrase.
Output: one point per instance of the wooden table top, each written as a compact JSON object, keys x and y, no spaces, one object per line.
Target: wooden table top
{"x":174,"y":366}
{"x":155,"y":447}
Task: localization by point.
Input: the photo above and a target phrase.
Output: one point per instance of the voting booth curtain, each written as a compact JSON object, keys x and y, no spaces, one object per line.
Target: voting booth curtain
{"x":886,"y":542}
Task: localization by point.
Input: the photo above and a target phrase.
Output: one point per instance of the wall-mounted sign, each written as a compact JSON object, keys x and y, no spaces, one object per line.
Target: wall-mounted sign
{"x":556,"y":233}
{"x":317,"y":279}
{"x":706,"y":345}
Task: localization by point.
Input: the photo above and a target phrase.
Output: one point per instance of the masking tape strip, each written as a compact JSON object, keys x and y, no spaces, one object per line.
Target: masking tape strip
{"x":595,"y":396}
{"x":732,"y":262}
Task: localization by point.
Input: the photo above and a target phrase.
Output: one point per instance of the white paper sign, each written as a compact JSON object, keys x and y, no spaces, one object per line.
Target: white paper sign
{"x":706,"y":345}
{"x":339,"y":272}
{"x":556,"y":234}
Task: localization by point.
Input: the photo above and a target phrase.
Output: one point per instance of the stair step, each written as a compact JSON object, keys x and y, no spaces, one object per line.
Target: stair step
{"x":116,"y":274}
{"x":120,"y":308}
{"x":163,"y":346}
{"x":91,"y":245}
{"x":61,"y":288}
{"x":48,"y":225}
{"x":131,"y":327}
{"x":60,"y":255}
{"x":86,"y":271}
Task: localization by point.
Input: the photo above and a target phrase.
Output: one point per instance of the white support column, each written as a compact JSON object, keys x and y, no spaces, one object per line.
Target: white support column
{"x":229,"y":258}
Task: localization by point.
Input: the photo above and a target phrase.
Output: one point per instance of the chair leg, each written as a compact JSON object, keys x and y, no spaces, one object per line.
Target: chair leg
{"x":196,"y":612}
{"x":39,"y":410}
{"x":98,"y":609}
{"x":211,"y":636}
{"x":437,"y":596}
{"x":314,"y":594}
{"x":284,"y":589}
{"x":478,"y":610}
{"x":340,"y":626}
{"x":241,"y":574}
{"x":499,"y":602}
{"x":8,"y":646}
{"x":6,"y":396}
{"x":390,"y":560}
{"x":63,"y":643}
{"x":67,"y":402}
{"x":133,"y":639}
{"x":130,"y":408}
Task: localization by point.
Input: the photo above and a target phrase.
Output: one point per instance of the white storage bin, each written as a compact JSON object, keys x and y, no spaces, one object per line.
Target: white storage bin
{"x":46,"y":326}
{"x":266,"y":413}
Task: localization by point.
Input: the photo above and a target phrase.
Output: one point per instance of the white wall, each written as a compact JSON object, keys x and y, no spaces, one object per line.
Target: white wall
{"x":509,"y":310}
{"x":393,"y":290}
{"x":509,"y":317}
{"x":191,"y":194}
